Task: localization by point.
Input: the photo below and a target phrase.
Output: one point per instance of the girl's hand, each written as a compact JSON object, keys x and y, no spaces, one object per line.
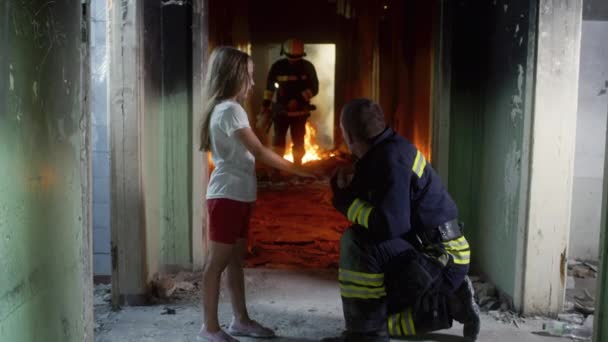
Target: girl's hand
{"x":304,"y":174}
{"x":266,"y":155}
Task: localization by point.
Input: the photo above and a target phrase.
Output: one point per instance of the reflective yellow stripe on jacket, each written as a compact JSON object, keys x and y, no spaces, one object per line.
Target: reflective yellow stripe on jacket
{"x":268,"y":94}
{"x":359,"y":212}
{"x":361,"y":285}
{"x":419,"y":164}
{"x":284,"y":78}
{"x":459,"y":250}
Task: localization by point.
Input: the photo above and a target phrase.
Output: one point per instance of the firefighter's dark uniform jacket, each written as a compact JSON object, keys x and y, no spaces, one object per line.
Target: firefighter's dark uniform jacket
{"x":393,"y":182}
{"x":296,"y":80}
{"x":394,"y":198}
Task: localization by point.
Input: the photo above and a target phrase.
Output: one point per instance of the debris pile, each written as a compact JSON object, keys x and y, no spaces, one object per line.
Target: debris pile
{"x":582,"y":269}
{"x":102,"y":294}
{"x":102,"y":297}
{"x":182,"y":285}
{"x":580,"y":288}
{"x":495,"y":303}
{"x":489,"y":297}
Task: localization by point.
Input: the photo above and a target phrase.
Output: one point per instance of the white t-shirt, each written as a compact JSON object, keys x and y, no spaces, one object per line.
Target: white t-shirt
{"x":234,"y":173}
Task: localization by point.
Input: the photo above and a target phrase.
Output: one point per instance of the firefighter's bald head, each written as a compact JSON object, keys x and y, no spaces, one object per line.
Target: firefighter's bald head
{"x":361,"y":120}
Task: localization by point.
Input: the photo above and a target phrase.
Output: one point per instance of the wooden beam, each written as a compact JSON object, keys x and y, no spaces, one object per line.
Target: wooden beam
{"x":200,"y":167}
{"x":126,"y":113}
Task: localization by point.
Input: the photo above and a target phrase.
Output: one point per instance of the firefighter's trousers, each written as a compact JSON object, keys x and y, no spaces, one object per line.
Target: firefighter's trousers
{"x":389,"y":288}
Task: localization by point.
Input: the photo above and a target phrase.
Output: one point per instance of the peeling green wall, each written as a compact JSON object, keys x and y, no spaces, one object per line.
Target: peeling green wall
{"x":168,"y":131}
{"x":41,"y":212}
{"x":489,"y":96}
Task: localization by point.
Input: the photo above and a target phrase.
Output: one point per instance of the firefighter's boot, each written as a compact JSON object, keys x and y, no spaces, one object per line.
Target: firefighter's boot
{"x":298,"y":154}
{"x":465,"y":310}
{"x":348,"y":337}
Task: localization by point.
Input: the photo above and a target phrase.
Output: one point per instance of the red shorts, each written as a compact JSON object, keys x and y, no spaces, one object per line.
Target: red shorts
{"x":228,"y":219}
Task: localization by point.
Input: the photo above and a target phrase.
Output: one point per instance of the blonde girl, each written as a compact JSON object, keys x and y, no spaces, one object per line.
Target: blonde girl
{"x":232,"y":189}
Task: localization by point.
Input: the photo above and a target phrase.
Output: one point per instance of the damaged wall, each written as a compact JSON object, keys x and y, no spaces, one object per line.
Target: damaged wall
{"x":45,"y":246}
{"x":513,"y":120}
{"x":551,"y":155}
{"x":150,"y":98}
{"x":102,"y":263}
{"x":167,"y":130}
{"x":590,"y":138}
{"x":490,"y":84}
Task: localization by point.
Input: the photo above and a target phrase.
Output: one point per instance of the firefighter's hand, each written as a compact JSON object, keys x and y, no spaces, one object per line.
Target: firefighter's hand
{"x":292,"y":105}
{"x":265,"y":110}
{"x":344,"y":176}
{"x":263,"y":120}
{"x":343,"y":196}
{"x":305,"y":173}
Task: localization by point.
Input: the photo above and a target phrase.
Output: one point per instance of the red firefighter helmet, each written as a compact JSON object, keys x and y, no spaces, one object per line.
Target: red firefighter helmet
{"x":293,"y":48}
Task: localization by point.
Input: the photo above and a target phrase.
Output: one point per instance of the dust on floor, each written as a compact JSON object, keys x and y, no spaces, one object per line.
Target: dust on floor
{"x":301,"y":305}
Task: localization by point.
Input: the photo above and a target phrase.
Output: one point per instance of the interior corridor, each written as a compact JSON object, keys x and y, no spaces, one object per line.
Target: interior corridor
{"x":103,"y":220}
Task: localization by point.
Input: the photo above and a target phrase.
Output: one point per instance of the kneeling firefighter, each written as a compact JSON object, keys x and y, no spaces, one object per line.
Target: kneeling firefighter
{"x":404,"y":261}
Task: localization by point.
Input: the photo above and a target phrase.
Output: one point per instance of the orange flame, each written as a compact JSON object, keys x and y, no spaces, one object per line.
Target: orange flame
{"x":312,"y":150}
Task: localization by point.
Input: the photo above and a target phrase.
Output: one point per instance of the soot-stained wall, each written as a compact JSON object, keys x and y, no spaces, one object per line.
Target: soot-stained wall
{"x":44,"y":247}
{"x":488,"y":99}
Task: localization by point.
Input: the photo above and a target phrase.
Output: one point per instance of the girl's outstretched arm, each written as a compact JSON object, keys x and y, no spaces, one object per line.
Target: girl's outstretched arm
{"x":266,"y":155}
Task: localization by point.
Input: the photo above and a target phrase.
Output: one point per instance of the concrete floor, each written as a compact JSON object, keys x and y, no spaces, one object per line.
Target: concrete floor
{"x":300,"y":305}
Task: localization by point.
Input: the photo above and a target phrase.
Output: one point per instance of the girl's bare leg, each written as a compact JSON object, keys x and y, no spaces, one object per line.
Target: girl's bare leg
{"x":220,"y":255}
{"x":236,"y":282}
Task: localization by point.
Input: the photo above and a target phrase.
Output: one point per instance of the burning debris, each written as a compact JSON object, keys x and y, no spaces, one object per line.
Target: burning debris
{"x":313,"y":150}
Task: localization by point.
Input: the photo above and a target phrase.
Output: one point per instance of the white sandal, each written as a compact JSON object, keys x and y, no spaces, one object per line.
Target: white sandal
{"x":219,"y":336}
{"x":253,"y":329}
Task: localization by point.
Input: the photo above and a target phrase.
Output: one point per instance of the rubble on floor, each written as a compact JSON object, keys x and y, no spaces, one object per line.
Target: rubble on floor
{"x":181,"y":286}
{"x":578,"y":307}
{"x":495,"y":303}
{"x":576,"y":320}
{"x":302,"y":306}
{"x":581,"y":287}
{"x":582,"y":269}
{"x":102,"y":294}
{"x":102,"y":297}
{"x":489,"y":297}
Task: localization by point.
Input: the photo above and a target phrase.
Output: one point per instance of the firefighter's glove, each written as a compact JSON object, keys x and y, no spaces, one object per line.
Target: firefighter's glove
{"x":342,"y":197}
{"x":264,"y":119}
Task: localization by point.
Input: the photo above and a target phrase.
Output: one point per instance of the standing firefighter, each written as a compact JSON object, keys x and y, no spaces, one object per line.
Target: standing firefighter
{"x":295,"y":81}
{"x":404,"y":261}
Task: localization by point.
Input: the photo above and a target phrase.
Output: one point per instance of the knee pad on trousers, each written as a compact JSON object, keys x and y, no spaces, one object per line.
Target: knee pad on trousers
{"x":407,"y":281}
{"x":432,"y":313}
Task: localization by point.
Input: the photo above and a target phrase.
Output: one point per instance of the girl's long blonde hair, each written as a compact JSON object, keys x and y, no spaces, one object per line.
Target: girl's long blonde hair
{"x":227,"y":76}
